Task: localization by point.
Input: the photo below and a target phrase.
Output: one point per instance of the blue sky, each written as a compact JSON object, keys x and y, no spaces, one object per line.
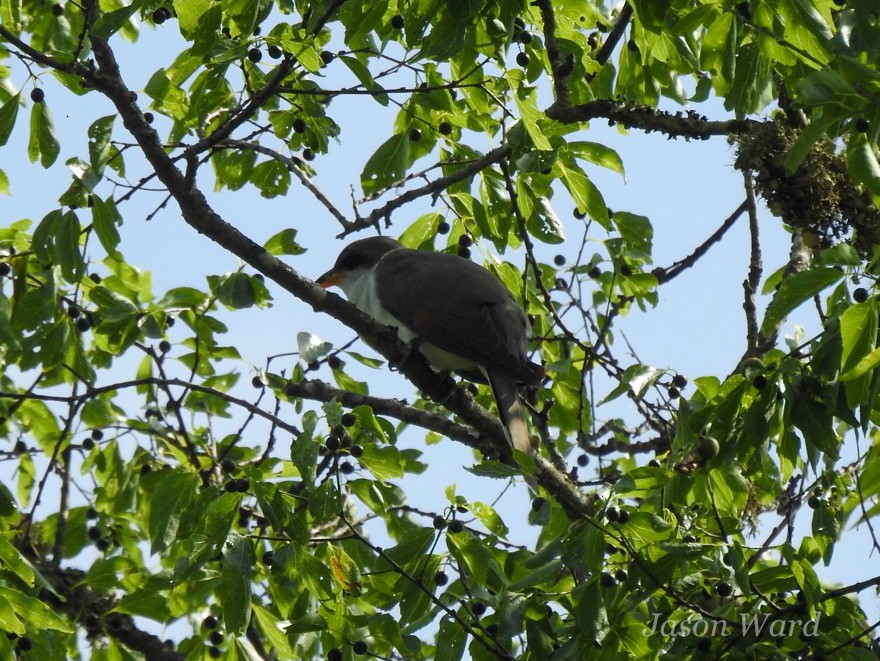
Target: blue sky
{"x":686,"y":188}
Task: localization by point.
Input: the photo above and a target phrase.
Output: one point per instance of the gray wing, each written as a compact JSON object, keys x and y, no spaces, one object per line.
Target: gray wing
{"x":456,"y":305}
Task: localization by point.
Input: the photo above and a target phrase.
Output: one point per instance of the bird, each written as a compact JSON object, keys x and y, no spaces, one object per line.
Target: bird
{"x":459,"y":316}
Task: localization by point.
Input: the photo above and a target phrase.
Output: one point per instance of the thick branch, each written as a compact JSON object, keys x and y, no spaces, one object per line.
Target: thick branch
{"x":676,"y":125}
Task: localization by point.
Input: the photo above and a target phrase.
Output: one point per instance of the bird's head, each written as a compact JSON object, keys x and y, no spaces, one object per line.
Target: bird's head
{"x":356,"y":260}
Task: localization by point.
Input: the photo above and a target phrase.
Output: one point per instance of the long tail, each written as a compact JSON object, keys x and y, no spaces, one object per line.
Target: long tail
{"x":510,"y":409}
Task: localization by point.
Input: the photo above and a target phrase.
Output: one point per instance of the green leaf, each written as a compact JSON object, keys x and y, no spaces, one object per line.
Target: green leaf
{"x":189,"y":14}
{"x":105,"y":218}
{"x":4,"y":183}
{"x":109,"y":23}
{"x":863,"y":165}
{"x":451,"y":640}
{"x":42,"y":144}
{"x":387,"y":165}
{"x":284,"y":243}
{"x":237,"y":291}
{"x":8,"y":113}
{"x":599,"y":154}
{"x":526,"y":102}
{"x":384,"y":462}
{"x":100,"y":148}
{"x":171,"y":496}
{"x":795,"y":290}
{"x":33,"y":612}
{"x":146,"y":602}
{"x":234,"y":592}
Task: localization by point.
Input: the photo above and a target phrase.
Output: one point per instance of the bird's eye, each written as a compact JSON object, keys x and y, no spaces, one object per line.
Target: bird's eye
{"x":350,"y":261}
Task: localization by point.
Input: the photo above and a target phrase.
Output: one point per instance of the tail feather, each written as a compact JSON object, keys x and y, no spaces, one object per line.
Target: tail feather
{"x":506,"y":392}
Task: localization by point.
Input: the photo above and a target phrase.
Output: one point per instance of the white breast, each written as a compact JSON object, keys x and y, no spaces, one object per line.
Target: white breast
{"x":360,"y":288}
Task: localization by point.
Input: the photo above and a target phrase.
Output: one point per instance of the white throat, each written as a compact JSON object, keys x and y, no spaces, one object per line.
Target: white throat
{"x":360,"y":288}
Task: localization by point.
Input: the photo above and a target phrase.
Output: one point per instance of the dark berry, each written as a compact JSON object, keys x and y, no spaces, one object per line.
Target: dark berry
{"x":674,"y":393}
{"x":862,"y":125}
{"x":724,"y":589}
{"x":443,"y":227}
{"x":348,"y":419}
{"x":334,"y":362}
{"x":275,"y":52}
{"x":308,"y":155}
{"x":439,"y":522}
{"x":74,"y":312}
{"x":23,"y":644}
{"x":623,"y":517}
{"x":327,"y":57}
{"x":97,"y":435}
{"x":91,"y":622}
{"x":5,"y":269}
{"x":583,"y":460}
{"x":621,"y":575}
{"x":440,"y":578}
{"x":465,"y":241}
{"x":654,"y":463}
{"x":94,"y":533}
{"x":333,"y":443}
{"x":594,"y":272}
{"x":37,"y":95}
{"x":242,"y":484}
{"x":257,"y":382}
{"x":216,"y":637}
{"x":215,"y":652}
{"x":744,"y":10}
{"x":522,"y":59}
{"x":268,"y":558}
{"x":88,"y":444}
{"x":91,"y":513}
{"x":632,"y":45}
{"x":356,"y":451}
{"x":94,"y":277}
{"x":525,"y":37}
{"x":759,"y":382}
{"x":57,"y":10}
{"x":860,"y":295}
{"x":814,"y":502}
{"x":463,"y":252}
{"x":359,"y":647}
{"x":456,"y":526}
{"x":210,"y":622}
{"x":299,"y":125}
{"x":538,"y":503}
{"x":227,"y":466}
{"x":103,"y":544}
{"x":231,"y":486}
{"x":577,"y":213}
{"x":20,"y":447}
{"x":445,"y":128}
{"x":612,"y":514}
{"x":679,"y":381}
{"x":164,"y":346}
{"x":397,"y":22}
{"x":607,"y":580}
{"x":146,"y":468}
{"x":478,"y":608}
{"x":346,"y":468}
{"x":415,"y":135}
{"x":334,"y":654}
{"x":255,"y":55}
{"x":161,"y":15}
{"x":559,"y":260}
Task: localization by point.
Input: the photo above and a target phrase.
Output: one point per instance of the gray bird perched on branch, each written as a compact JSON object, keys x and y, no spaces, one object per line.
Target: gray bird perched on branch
{"x":458,"y":314}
